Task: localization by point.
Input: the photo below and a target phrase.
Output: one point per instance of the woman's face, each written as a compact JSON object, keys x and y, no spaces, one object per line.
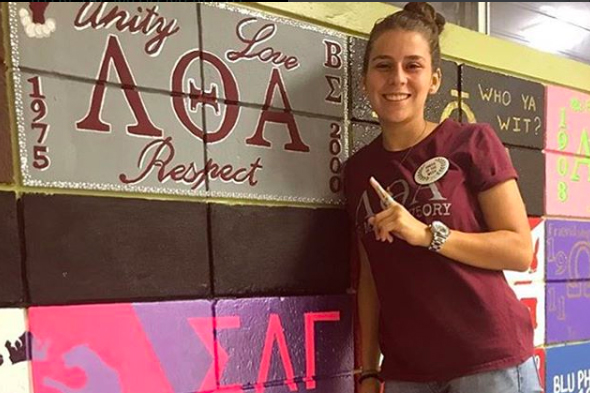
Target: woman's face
{"x":400,"y":76}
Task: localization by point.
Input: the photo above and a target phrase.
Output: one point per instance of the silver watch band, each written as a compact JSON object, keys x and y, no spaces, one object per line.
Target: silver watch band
{"x":440,"y":233}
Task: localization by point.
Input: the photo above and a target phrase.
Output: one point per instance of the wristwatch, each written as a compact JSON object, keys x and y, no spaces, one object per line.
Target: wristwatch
{"x":440,"y":233}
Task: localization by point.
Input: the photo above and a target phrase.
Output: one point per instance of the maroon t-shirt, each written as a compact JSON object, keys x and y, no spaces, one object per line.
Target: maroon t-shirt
{"x":440,"y":319}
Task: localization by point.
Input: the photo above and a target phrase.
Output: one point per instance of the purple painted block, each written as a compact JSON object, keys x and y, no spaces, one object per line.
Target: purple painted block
{"x":181,"y":334}
{"x":289,"y":340}
{"x":567,"y":305}
{"x":568,"y":250}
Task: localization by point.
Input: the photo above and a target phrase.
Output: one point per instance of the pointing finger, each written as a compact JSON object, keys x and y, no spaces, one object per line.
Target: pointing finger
{"x":383,"y":195}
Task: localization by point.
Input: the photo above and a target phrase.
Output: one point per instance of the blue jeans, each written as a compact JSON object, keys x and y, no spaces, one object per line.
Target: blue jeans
{"x":523,"y":378}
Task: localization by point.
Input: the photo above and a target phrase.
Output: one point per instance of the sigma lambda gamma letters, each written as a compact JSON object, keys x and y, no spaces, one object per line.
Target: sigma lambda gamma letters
{"x":162,"y":162}
{"x":249,"y":345}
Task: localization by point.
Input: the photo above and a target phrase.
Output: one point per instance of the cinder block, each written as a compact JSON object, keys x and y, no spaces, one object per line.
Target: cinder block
{"x":279,"y":250}
{"x":93,"y":248}
{"x":513,"y":106}
{"x":289,"y":340}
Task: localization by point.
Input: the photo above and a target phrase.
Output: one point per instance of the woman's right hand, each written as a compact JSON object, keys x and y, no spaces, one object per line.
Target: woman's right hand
{"x":370,"y":385}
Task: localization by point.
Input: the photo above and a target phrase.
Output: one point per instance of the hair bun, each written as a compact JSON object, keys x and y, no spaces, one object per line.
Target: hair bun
{"x":428,"y":14}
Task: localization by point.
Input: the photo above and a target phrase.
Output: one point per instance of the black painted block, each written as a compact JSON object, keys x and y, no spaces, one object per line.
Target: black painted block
{"x":513,"y":106}
{"x":90,"y":249}
{"x":530,"y":165}
{"x":11,"y":285}
{"x":279,"y":250}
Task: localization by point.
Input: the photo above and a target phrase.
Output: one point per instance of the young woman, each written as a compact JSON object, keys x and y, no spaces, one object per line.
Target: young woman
{"x":436,"y":226}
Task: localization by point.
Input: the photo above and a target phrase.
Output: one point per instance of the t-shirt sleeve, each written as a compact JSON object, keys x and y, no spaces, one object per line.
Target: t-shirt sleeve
{"x":491,"y":164}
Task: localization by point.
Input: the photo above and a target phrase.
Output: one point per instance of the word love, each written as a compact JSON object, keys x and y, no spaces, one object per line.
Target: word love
{"x":265,"y":55}
{"x":151,"y":24}
{"x":160,"y":153}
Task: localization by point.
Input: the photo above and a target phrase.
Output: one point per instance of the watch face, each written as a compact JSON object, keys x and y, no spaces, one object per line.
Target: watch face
{"x":441,"y":228}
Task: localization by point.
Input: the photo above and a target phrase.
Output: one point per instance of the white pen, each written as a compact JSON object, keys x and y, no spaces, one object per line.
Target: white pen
{"x":384,"y":195}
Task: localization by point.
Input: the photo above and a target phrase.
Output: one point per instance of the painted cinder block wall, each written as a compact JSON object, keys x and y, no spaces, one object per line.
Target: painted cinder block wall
{"x":128,"y":268}
{"x":124,"y":269}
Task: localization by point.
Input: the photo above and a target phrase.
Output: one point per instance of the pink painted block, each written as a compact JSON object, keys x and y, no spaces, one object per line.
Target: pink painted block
{"x":568,"y":121}
{"x":567,"y":189}
{"x":114,"y":348}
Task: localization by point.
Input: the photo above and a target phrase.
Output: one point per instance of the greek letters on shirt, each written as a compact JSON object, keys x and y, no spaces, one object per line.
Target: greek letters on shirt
{"x":434,"y":206}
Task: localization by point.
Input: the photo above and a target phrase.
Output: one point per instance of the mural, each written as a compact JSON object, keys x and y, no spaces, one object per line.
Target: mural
{"x":161,"y":98}
{"x":239,"y":123}
{"x":193,"y":346}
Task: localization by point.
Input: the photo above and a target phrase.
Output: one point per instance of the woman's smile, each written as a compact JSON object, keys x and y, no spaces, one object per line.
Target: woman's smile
{"x":397,"y":97}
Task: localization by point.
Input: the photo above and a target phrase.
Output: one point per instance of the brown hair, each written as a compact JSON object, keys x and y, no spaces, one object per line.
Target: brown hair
{"x":417,"y":17}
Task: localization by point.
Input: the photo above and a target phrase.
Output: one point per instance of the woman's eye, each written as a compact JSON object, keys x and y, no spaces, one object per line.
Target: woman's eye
{"x":414,"y":66}
{"x":382,"y":65}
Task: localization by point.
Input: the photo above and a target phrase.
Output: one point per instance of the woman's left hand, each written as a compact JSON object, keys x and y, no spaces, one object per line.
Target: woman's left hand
{"x":397,"y":220}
